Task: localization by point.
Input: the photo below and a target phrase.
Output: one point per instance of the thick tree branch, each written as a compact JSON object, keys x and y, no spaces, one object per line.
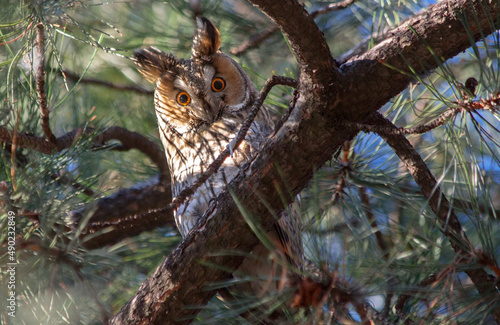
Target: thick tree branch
{"x":126,"y":213}
{"x":312,"y":133}
{"x":384,"y":71}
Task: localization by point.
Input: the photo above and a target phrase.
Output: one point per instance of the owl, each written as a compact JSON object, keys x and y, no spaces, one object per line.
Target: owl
{"x":200,"y":105}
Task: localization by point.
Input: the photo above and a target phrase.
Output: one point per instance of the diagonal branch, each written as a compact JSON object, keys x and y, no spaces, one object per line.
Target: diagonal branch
{"x":450,"y":225}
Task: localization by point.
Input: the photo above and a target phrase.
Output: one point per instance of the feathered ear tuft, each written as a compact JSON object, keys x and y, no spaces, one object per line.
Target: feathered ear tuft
{"x":154,"y":63}
{"x":206,"y":40}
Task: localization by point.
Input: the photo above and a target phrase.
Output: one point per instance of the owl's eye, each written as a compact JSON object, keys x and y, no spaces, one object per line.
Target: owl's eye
{"x":183,"y":98}
{"x":218,"y":84}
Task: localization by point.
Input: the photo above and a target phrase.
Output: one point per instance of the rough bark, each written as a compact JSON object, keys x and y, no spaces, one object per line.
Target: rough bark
{"x":313,"y":132}
{"x":126,"y":214}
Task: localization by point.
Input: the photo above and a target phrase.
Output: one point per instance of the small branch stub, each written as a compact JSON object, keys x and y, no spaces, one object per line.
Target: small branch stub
{"x":40,"y":85}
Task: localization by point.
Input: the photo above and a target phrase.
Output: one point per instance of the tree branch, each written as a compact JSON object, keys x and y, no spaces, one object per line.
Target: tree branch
{"x":40,"y":86}
{"x":257,"y":39}
{"x":306,"y":140}
{"x":483,"y":104}
{"x":450,"y":225}
{"x":129,"y":140}
{"x":88,"y":80}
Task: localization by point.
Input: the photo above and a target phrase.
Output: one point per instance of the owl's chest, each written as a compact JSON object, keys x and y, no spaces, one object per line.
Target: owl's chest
{"x":187,"y":161}
{"x":191,"y":154}
{"x":188,"y":157}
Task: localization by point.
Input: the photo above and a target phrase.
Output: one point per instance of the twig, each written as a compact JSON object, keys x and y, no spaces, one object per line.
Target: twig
{"x":470,"y":106}
{"x":129,"y":140}
{"x":420,"y":129}
{"x":64,"y":179}
{"x":373,"y":223}
{"x":433,"y":278}
{"x":254,"y":41}
{"x":257,"y":39}
{"x":332,"y":7}
{"x":75,"y":77}
{"x":215,"y":165}
{"x":40,"y":86}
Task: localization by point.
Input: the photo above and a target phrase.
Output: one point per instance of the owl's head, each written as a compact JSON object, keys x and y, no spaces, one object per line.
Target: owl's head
{"x":196,"y":93}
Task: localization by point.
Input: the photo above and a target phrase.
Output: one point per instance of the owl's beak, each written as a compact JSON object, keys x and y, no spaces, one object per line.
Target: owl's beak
{"x":213,"y":112}
{"x":220,"y":113}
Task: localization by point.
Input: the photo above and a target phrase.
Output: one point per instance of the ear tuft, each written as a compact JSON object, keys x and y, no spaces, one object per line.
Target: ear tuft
{"x":153,"y":63}
{"x":206,"y":40}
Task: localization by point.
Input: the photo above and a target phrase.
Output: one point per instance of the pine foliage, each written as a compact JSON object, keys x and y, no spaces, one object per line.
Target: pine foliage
{"x":366,"y":223}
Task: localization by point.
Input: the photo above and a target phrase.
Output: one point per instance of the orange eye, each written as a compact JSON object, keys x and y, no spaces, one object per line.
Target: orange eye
{"x":218,"y":84}
{"x":183,"y":98}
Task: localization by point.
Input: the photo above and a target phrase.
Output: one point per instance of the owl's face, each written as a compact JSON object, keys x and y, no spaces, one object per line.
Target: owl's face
{"x":197,"y":93}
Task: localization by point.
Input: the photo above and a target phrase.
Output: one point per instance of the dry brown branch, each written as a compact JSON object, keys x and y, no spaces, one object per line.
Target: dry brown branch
{"x":491,"y":103}
{"x":257,"y":39}
{"x":88,"y":80}
{"x":128,"y":139}
{"x":40,"y":85}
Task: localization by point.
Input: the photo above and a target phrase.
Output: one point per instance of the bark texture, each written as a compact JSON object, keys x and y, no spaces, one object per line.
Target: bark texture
{"x":328,"y":95}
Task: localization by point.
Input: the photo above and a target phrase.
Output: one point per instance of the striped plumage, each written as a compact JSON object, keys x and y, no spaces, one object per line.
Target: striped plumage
{"x":194,"y":134}
{"x":200,"y":105}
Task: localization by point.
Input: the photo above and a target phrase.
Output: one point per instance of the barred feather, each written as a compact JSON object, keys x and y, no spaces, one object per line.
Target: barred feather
{"x":196,"y":130}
